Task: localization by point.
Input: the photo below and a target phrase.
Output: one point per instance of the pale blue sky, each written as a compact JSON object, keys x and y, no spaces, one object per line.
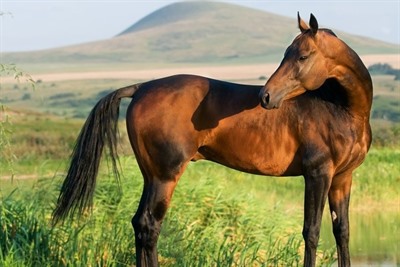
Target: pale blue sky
{"x":42,"y":24}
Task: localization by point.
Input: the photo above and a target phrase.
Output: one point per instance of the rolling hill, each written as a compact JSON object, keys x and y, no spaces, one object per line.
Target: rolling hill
{"x":194,"y":32}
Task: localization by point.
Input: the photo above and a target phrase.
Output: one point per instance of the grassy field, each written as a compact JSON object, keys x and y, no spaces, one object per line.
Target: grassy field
{"x":218,"y":217}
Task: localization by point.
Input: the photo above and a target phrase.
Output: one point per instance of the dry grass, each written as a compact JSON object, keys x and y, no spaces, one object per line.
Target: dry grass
{"x":236,"y":72}
{"x":391,"y":59}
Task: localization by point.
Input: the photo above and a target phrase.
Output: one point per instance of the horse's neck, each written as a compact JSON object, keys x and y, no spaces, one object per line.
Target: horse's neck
{"x":354,"y":77}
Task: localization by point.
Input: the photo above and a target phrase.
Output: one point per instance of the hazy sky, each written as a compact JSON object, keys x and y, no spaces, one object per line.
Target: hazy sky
{"x":40,"y":24}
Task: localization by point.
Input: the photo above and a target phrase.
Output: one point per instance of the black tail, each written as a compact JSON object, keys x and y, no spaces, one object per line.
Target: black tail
{"x":100,"y":129}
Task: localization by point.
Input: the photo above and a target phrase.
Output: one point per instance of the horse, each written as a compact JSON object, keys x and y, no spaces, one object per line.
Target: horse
{"x":311,"y":118}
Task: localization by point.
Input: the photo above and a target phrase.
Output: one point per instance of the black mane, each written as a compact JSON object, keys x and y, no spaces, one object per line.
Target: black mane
{"x":328,"y":31}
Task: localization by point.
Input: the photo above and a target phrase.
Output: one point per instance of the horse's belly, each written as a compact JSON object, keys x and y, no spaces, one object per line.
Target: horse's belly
{"x":265,"y":161}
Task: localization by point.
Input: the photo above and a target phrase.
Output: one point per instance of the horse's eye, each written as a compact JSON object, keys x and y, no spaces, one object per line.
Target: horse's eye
{"x":302,"y":58}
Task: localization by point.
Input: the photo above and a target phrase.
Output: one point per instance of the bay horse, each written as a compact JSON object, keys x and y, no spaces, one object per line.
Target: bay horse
{"x":311,"y":118}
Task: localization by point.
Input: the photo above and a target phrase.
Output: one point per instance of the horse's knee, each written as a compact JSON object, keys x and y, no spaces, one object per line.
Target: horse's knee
{"x":341,"y":233}
{"x":311,"y":237}
{"x":147,"y":230}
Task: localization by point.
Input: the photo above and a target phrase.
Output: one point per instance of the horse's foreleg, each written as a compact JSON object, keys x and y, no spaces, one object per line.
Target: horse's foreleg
{"x":148,"y":218}
{"x":316,"y":190}
{"x":339,"y":197}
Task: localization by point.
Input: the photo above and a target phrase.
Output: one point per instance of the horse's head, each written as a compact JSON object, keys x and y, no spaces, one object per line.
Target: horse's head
{"x":304,"y":67}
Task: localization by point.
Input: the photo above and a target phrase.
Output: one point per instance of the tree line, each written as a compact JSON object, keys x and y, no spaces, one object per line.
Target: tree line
{"x":384,"y":69}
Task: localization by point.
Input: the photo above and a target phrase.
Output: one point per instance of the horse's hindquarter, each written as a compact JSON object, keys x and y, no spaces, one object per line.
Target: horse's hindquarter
{"x":159,"y":121}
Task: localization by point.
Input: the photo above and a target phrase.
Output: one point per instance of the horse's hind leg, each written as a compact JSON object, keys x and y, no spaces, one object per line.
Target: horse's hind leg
{"x":339,"y":198}
{"x":148,"y":218}
{"x":161,"y":174}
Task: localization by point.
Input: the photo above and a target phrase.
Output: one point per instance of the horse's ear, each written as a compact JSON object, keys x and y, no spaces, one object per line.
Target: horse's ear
{"x":313,"y":24}
{"x":302,"y":25}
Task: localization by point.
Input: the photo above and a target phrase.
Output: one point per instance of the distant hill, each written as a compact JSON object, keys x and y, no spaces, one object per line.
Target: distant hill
{"x":195,"y":32}
{"x":173,"y":13}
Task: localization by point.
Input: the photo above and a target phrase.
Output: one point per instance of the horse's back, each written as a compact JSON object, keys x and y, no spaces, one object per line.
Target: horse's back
{"x":187,"y":105}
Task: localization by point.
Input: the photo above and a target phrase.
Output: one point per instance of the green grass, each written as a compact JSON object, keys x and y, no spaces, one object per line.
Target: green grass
{"x":205,"y":226}
{"x":218,"y":217}
{"x":376,"y":182}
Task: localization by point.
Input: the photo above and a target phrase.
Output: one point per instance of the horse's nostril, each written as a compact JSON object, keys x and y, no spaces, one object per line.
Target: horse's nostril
{"x":266,"y":98}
